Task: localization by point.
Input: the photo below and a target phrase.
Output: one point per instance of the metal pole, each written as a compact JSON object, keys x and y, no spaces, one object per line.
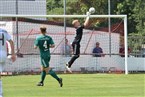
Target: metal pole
{"x":64,"y":26}
{"x":109,"y":27}
{"x":126,"y":45}
{"x":64,"y":17}
{"x":17,"y":25}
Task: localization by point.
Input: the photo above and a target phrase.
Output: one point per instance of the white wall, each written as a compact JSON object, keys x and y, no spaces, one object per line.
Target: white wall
{"x":34,"y":7}
{"x":136,"y":64}
{"x":32,"y":63}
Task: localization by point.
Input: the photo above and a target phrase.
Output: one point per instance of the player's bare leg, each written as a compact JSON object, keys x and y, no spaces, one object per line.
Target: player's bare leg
{"x":1,"y":93}
{"x":43,"y":75}
{"x":0,"y":86}
{"x":52,"y":73}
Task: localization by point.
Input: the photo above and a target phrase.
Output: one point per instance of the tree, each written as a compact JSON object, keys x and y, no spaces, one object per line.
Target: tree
{"x":135,"y":11}
{"x":76,"y":7}
{"x":126,"y":7}
{"x":132,"y":8}
{"x":139,"y":13}
{"x":54,"y":7}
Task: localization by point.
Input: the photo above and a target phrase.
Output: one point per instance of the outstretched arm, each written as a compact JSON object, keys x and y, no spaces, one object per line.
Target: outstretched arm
{"x":86,"y":23}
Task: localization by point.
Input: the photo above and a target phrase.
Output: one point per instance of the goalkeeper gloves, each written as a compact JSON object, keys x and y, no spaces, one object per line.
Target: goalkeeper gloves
{"x":88,"y":14}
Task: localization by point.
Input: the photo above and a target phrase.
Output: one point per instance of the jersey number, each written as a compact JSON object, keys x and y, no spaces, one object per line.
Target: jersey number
{"x":2,"y":39}
{"x":45,"y":44}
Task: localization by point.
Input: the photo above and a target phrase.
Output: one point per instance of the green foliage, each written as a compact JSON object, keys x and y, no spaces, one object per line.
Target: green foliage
{"x":76,"y":7}
{"x":126,"y":7}
{"x":133,"y":8}
{"x":140,"y":27}
{"x":135,"y":12}
{"x":54,"y":7}
{"x":139,"y":17}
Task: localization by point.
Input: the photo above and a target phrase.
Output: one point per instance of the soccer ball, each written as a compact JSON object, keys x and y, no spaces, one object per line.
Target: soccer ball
{"x":92,"y":10}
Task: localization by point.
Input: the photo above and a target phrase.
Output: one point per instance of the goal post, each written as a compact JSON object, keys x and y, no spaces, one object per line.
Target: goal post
{"x":124,"y":17}
{"x":126,"y":44}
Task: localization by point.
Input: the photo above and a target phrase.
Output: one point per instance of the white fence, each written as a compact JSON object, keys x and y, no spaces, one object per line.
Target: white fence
{"x":85,"y":62}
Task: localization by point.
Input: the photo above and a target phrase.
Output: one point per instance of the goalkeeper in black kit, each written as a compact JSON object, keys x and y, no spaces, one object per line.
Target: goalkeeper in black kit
{"x":76,"y":42}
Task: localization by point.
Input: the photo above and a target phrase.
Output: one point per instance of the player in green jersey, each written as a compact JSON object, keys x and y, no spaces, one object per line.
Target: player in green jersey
{"x":44,"y":43}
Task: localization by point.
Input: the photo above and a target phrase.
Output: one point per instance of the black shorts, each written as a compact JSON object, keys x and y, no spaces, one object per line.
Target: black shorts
{"x":76,"y":48}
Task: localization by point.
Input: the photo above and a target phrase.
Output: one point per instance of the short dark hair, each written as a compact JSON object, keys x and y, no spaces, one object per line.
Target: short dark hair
{"x":97,"y":43}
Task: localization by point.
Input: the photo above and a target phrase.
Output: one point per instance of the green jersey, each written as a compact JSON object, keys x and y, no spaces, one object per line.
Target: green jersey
{"x":44,"y":42}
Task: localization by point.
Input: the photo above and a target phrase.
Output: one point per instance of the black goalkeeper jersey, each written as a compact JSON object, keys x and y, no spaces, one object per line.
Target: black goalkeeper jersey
{"x":79,"y":33}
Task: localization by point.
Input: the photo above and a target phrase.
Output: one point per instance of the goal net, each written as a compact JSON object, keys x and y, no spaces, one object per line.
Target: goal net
{"x":25,"y":28}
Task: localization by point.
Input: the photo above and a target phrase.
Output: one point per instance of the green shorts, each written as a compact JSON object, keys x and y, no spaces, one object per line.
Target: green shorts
{"x":45,"y":62}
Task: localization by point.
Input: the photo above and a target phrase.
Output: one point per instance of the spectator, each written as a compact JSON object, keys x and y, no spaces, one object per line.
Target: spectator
{"x":97,"y":51}
{"x":67,"y":49}
{"x":122,"y":51}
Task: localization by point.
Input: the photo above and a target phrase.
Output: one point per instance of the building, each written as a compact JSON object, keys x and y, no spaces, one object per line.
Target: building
{"x":25,"y":7}
{"x":21,"y":7}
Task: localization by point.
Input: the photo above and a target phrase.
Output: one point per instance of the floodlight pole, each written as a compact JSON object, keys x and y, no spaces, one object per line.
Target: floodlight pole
{"x":65,"y":18}
{"x":17,"y":25}
{"x":64,"y":25}
{"x":109,"y":28}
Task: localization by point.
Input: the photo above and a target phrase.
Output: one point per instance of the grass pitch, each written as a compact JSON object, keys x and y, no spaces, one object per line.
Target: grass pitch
{"x":76,"y":85}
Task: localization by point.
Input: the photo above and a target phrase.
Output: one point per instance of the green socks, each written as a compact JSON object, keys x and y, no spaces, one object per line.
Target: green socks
{"x":53,"y":74}
{"x":43,"y":75}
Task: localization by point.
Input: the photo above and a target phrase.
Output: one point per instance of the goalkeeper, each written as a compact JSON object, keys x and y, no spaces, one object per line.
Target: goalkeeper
{"x":76,"y":42}
{"x":44,"y":42}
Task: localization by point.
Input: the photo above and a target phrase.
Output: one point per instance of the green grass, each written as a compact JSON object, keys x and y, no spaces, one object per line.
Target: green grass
{"x":76,"y":85}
